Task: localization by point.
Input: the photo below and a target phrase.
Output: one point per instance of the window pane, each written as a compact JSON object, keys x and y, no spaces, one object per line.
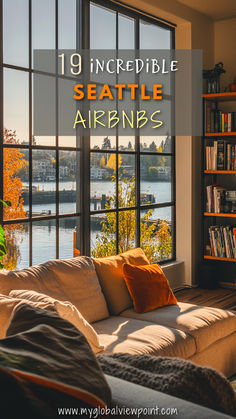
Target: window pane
{"x":69,"y":182}
{"x":156,"y":233}
{"x":154,"y":37}
{"x":44,"y":182}
{"x":155,"y":178}
{"x":15,"y":182}
{"x":66,"y":105}
{"x":103,"y":185}
{"x":46,"y":105}
{"x":102,"y":28}
{"x":67,"y":24}
{"x":127,"y":234}
{"x":16,"y":32}
{"x":69,"y":240}
{"x":16,"y":105}
{"x":153,"y":144}
{"x":126,"y":32}
{"x":44,"y":241}
{"x":17,"y":238}
{"x":103,"y":234}
{"x":126,"y":180}
{"x":43,"y":24}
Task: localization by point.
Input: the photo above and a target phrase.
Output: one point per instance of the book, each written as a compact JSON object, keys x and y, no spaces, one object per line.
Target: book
{"x":220,"y":154}
{"x":218,"y":121}
{"x":223,"y":241}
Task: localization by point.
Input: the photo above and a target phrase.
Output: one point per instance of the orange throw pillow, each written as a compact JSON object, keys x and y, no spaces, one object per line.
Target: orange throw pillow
{"x":148,"y":287}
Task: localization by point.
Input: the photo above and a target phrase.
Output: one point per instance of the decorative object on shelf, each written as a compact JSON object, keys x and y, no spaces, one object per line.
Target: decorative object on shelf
{"x":213,"y":78}
{"x":230,"y":198}
{"x":232,"y":86}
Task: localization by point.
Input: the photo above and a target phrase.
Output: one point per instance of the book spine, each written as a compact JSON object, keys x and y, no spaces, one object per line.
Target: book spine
{"x":228,"y":157}
{"x":226,"y":122}
{"x":229,"y":122}
{"x":222,"y":122}
{"x":220,"y":155}
{"x":216,"y":121}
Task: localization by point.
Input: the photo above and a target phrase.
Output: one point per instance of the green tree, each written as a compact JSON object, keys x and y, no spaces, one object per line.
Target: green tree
{"x":153,"y":171}
{"x":106,"y":145}
{"x":155,"y":238}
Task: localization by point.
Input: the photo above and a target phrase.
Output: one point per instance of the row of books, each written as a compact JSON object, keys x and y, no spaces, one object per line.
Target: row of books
{"x":217,"y":120}
{"x":223,"y":241}
{"x":215,"y":199}
{"x":221,"y":155}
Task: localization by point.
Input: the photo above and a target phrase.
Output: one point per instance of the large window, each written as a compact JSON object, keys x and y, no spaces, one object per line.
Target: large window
{"x":100,"y":195}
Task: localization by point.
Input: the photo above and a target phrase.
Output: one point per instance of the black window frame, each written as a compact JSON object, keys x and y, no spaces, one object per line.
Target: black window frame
{"x":84,"y":214}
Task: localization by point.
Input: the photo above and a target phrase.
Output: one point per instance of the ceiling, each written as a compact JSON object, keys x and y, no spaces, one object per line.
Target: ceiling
{"x":215,"y":9}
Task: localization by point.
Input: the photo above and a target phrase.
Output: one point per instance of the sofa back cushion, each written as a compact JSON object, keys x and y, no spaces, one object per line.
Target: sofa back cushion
{"x":67,"y":311}
{"x":110,"y":273}
{"x":73,"y":280}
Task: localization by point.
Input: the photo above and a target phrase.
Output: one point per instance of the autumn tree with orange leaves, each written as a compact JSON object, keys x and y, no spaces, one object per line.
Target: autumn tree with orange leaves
{"x":14,"y":161}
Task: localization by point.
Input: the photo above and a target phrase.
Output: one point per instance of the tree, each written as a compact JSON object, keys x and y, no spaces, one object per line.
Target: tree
{"x":130,"y":147}
{"x":106,"y":145}
{"x":12,"y":191}
{"x":161,"y":160}
{"x":153,"y":147}
{"x":153,"y":171}
{"x":111,"y":164}
{"x":155,"y":234}
{"x":102,"y":162}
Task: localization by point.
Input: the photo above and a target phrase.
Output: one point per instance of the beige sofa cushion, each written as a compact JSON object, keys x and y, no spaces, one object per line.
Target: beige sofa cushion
{"x":110,"y":274}
{"x":120,"y":334}
{"x":67,"y":311}
{"x":205,"y":324}
{"x":7,"y":306}
{"x":73,"y":280}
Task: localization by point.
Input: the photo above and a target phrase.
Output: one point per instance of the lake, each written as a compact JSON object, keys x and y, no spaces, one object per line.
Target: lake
{"x":44,"y":236}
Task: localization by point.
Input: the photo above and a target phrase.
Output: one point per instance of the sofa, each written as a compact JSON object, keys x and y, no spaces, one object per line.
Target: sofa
{"x":206,"y":336}
{"x":203,"y":335}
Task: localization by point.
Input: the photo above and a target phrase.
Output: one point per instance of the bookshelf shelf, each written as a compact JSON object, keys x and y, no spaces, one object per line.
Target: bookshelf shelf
{"x":223,"y":97}
{"x":218,"y":258}
{"x":220,"y":172}
{"x":222,"y":214}
{"x":220,"y":134}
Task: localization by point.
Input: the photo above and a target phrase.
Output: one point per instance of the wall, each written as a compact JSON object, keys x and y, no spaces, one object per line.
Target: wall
{"x":224,"y":48}
{"x":194,"y":31}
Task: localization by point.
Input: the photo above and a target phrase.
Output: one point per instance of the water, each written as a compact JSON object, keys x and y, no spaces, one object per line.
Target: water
{"x":44,"y":236}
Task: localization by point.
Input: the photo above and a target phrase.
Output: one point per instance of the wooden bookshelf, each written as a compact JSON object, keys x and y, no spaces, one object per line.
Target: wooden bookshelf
{"x":223,"y":97}
{"x":218,"y":258}
{"x":220,"y":219}
{"x":220,"y":134}
{"x":222,"y":214}
{"x":220,"y":172}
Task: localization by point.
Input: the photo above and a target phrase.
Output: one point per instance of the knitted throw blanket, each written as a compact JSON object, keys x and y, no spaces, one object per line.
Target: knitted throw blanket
{"x":174,"y":376}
